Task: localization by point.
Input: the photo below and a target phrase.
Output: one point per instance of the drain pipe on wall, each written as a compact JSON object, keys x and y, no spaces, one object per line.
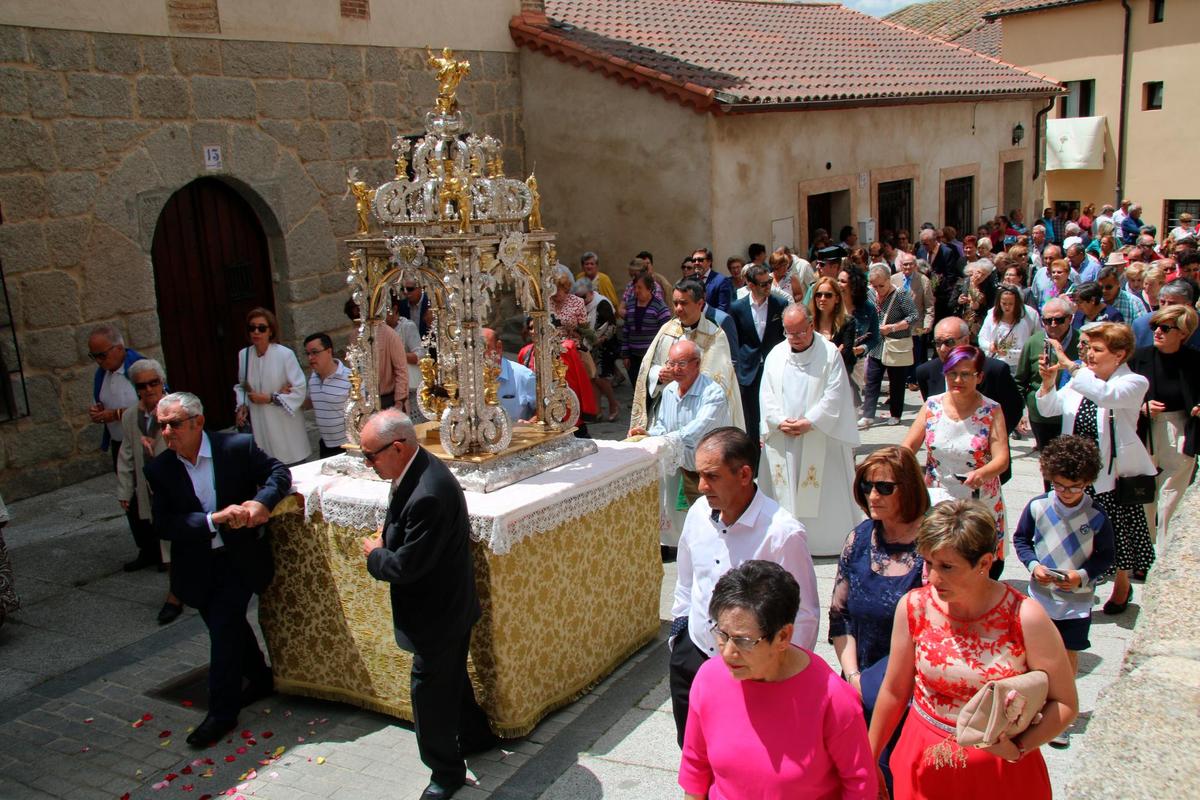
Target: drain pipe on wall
{"x":1121,"y":125}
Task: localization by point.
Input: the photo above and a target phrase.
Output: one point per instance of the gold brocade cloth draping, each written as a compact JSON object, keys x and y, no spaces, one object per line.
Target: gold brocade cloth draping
{"x":562,"y":609}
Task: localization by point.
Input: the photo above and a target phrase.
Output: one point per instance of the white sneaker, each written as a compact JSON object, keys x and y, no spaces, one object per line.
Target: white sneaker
{"x":865,"y":422}
{"x":891,"y":421}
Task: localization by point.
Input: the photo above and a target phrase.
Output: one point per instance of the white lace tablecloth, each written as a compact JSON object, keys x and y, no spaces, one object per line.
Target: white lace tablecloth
{"x":503,"y":517}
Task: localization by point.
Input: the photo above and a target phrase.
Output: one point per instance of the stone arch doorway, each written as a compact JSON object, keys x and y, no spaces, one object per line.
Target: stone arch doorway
{"x":212,"y":264}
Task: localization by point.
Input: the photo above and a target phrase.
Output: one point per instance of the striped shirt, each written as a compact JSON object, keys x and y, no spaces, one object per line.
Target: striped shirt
{"x":641,"y":325}
{"x":328,"y":396}
{"x":892,"y":311}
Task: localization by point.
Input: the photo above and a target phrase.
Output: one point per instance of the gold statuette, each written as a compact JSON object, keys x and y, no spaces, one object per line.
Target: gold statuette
{"x":363,"y":196}
{"x":449,"y":73}
{"x":535,"y":212}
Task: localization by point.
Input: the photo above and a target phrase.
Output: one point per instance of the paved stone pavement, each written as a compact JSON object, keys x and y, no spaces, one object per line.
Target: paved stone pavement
{"x":85,"y":661}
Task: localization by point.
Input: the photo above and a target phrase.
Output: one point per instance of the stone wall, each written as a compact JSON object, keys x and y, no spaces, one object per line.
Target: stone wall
{"x":1141,"y":741}
{"x":98,"y":130}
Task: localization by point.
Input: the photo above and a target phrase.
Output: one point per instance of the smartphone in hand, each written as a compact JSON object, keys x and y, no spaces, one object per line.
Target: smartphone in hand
{"x":1057,"y":574}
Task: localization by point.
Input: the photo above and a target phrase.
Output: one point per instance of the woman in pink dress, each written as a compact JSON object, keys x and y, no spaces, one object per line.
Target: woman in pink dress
{"x":950,"y":637}
{"x":769,"y":720}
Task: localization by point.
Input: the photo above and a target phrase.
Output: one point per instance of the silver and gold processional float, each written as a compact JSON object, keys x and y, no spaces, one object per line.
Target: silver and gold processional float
{"x":453,"y":222}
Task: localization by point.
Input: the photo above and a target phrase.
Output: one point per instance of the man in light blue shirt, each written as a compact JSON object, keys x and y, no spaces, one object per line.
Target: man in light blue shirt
{"x":517,"y":383}
{"x":692,"y":405}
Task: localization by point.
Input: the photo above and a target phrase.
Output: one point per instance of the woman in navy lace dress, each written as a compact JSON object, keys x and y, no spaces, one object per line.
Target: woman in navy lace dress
{"x":878,"y":565}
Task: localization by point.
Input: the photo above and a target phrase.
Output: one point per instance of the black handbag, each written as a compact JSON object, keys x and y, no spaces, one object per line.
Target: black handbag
{"x":1132,"y":490}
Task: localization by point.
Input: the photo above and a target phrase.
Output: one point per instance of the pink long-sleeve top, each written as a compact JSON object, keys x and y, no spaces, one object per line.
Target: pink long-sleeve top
{"x":802,"y":738}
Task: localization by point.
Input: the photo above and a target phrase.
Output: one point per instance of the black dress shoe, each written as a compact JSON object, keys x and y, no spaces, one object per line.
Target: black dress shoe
{"x":210,"y":731}
{"x":257,"y":690}
{"x":436,"y":791}
{"x":169,"y":613}
{"x":141,"y":562}
{"x":1112,"y":608}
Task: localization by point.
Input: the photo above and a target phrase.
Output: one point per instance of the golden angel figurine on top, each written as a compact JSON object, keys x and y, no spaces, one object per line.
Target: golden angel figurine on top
{"x":449,"y":74}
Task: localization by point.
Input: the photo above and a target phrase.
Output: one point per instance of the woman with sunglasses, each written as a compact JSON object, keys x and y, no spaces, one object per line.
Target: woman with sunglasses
{"x":1168,"y":420}
{"x":142,"y":441}
{"x":1102,"y":401}
{"x":769,"y":719}
{"x":965,"y":439}
{"x":270,"y":391}
{"x":855,"y":297}
{"x":829,"y":319}
{"x":878,"y":565}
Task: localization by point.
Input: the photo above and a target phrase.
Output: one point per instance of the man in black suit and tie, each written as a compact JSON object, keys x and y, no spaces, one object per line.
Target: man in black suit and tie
{"x":424,"y":552}
{"x":998,"y":383}
{"x":213,"y":493}
{"x":943,"y":264}
{"x":759,"y":320}
{"x":718,"y":289}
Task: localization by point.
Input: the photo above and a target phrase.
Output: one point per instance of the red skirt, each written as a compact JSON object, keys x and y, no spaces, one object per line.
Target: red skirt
{"x":983,"y":777}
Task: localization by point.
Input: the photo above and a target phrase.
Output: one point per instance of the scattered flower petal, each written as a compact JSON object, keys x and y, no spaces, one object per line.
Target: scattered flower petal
{"x":267,"y":734}
{"x":273,"y":775}
{"x":279,"y":751}
{"x":185,"y":703}
{"x":89,"y":720}
{"x":230,"y":759}
{"x":147,"y":717}
{"x":287,"y":713}
{"x":164,"y":734}
{"x":170,"y":776}
{"x":161,"y":785}
{"x":137,"y":723}
{"x":125,"y":796}
{"x":85,"y":749}
{"x":208,"y":761}
{"x":251,"y":742}
{"x":299,"y":738}
{"x":186,"y":770}
{"x":206,"y":797}
{"x":320,"y":759}
{"x":208,"y":773}
{"x":241,"y":751}
{"x":187,"y":787}
{"x":164,"y":743}
{"x":246,"y":734}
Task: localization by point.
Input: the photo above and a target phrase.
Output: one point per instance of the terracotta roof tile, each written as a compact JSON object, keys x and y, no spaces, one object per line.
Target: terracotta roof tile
{"x":985,"y":37}
{"x":945,"y":19}
{"x":1002,"y":8}
{"x":728,"y":55}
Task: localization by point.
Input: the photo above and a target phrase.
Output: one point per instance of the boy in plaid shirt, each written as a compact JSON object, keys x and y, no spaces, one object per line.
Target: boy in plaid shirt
{"x":1066,"y":542}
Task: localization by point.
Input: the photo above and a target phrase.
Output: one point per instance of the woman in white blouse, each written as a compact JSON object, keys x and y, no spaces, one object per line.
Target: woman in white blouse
{"x":270,"y":391}
{"x":1102,"y":398}
{"x":1009,"y":325}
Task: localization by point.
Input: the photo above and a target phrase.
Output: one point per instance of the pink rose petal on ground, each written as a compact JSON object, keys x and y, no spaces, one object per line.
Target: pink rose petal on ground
{"x":85,"y":749}
{"x":89,"y":720}
{"x":147,"y":717}
{"x":160,"y":785}
{"x":273,"y":775}
{"x":299,"y":738}
{"x":246,"y":734}
{"x":137,"y":723}
{"x":170,"y":776}
{"x":164,"y":734}
{"x":267,"y":734}
{"x":186,"y":770}
{"x":241,"y":751}
{"x":208,"y":761}
{"x":187,"y":787}
{"x":230,"y":759}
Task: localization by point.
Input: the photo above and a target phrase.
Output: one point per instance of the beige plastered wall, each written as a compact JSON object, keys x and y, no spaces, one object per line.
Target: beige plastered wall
{"x":1157,"y":166}
{"x":461,"y":24}
{"x":619,"y":169}
{"x":764,"y":165}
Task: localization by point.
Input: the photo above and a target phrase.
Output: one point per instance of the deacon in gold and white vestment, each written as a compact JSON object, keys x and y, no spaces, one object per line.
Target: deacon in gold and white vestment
{"x":810,"y":475}
{"x":715,"y":361}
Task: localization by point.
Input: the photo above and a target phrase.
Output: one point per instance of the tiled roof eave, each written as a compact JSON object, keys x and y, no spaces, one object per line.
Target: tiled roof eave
{"x":1023,"y":8}
{"x":822,"y":103}
{"x":526,"y":32}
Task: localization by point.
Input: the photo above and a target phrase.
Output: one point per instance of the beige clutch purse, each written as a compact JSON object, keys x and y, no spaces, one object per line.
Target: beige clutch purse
{"x":1007,"y":706}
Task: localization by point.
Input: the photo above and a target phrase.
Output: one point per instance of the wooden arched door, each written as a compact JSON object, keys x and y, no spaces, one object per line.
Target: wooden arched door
{"x":211,"y":266}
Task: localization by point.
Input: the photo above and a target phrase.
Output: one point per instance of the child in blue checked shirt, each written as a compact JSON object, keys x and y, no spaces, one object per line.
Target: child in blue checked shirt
{"x":1066,"y":542}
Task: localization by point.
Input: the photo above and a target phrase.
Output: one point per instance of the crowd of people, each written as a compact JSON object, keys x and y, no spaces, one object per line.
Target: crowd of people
{"x":1081,"y":333}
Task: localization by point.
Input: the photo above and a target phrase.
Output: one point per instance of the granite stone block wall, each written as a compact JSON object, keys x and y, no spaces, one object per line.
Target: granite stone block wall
{"x":97,"y":131}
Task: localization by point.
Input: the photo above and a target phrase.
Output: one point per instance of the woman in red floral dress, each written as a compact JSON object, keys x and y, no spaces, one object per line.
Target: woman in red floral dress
{"x":950,"y":637}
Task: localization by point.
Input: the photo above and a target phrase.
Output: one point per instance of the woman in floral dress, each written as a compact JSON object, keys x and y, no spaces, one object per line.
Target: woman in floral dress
{"x":965,"y":439}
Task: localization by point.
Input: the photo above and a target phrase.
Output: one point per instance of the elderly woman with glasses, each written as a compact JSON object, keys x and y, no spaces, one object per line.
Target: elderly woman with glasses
{"x":769,"y":719}
{"x":1102,"y":401}
{"x":1169,"y":415}
{"x":965,"y":438}
{"x":142,"y":441}
{"x":958,"y":632}
{"x":270,"y":391}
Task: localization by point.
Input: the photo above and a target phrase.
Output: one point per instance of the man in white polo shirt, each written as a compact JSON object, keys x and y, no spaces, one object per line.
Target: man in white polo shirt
{"x":328,"y":388}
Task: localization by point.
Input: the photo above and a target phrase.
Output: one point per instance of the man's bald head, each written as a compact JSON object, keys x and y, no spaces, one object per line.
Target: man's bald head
{"x":491,"y":342}
{"x":684,"y":350}
{"x":955,"y":327}
{"x":796,"y":313}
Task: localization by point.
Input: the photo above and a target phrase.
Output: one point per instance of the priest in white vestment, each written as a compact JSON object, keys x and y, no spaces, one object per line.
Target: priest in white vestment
{"x":270,"y":392}
{"x":809,"y":434}
{"x":716,"y":361}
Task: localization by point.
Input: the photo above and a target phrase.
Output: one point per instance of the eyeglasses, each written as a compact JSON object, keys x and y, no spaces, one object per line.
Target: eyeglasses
{"x":885,"y":488}
{"x":680,"y":364}
{"x":144,"y":385}
{"x":742,"y":643}
{"x":1054,"y":320}
{"x":823,"y":295}
{"x":1163,"y":327}
{"x":764,"y":284}
{"x":258,"y":328}
{"x":175,"y":423}
{"x":99,"y":356}
{"x":314,"y":353}
{"x":371,"y":455}
{"x":412,"y":288}
{"x":960,"y":377}
{"x":939,"y":343}
{"x":1061,"y":488}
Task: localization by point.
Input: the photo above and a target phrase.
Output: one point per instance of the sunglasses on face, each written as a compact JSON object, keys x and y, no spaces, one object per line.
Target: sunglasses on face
{"x":1054,"y":320}
{"x":1163,"y":327}
{"x":371,"y":455}
{"x":823,"y":295}
{"x":102,"y":353}
{"x":763,"y":284}
{"x":258,"y":328}
{"x":884,"y":488}
{"x":945,"y":342}
{"x":142,"y":386}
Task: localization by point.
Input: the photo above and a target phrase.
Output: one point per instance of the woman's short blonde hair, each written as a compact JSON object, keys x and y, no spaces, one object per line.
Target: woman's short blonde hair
{"x":964,"y":526}
{"x":1154,"y":274}
{"x":1117,"y":337}
{"x":1135,"y":271}
{"x":1181,"y":316}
